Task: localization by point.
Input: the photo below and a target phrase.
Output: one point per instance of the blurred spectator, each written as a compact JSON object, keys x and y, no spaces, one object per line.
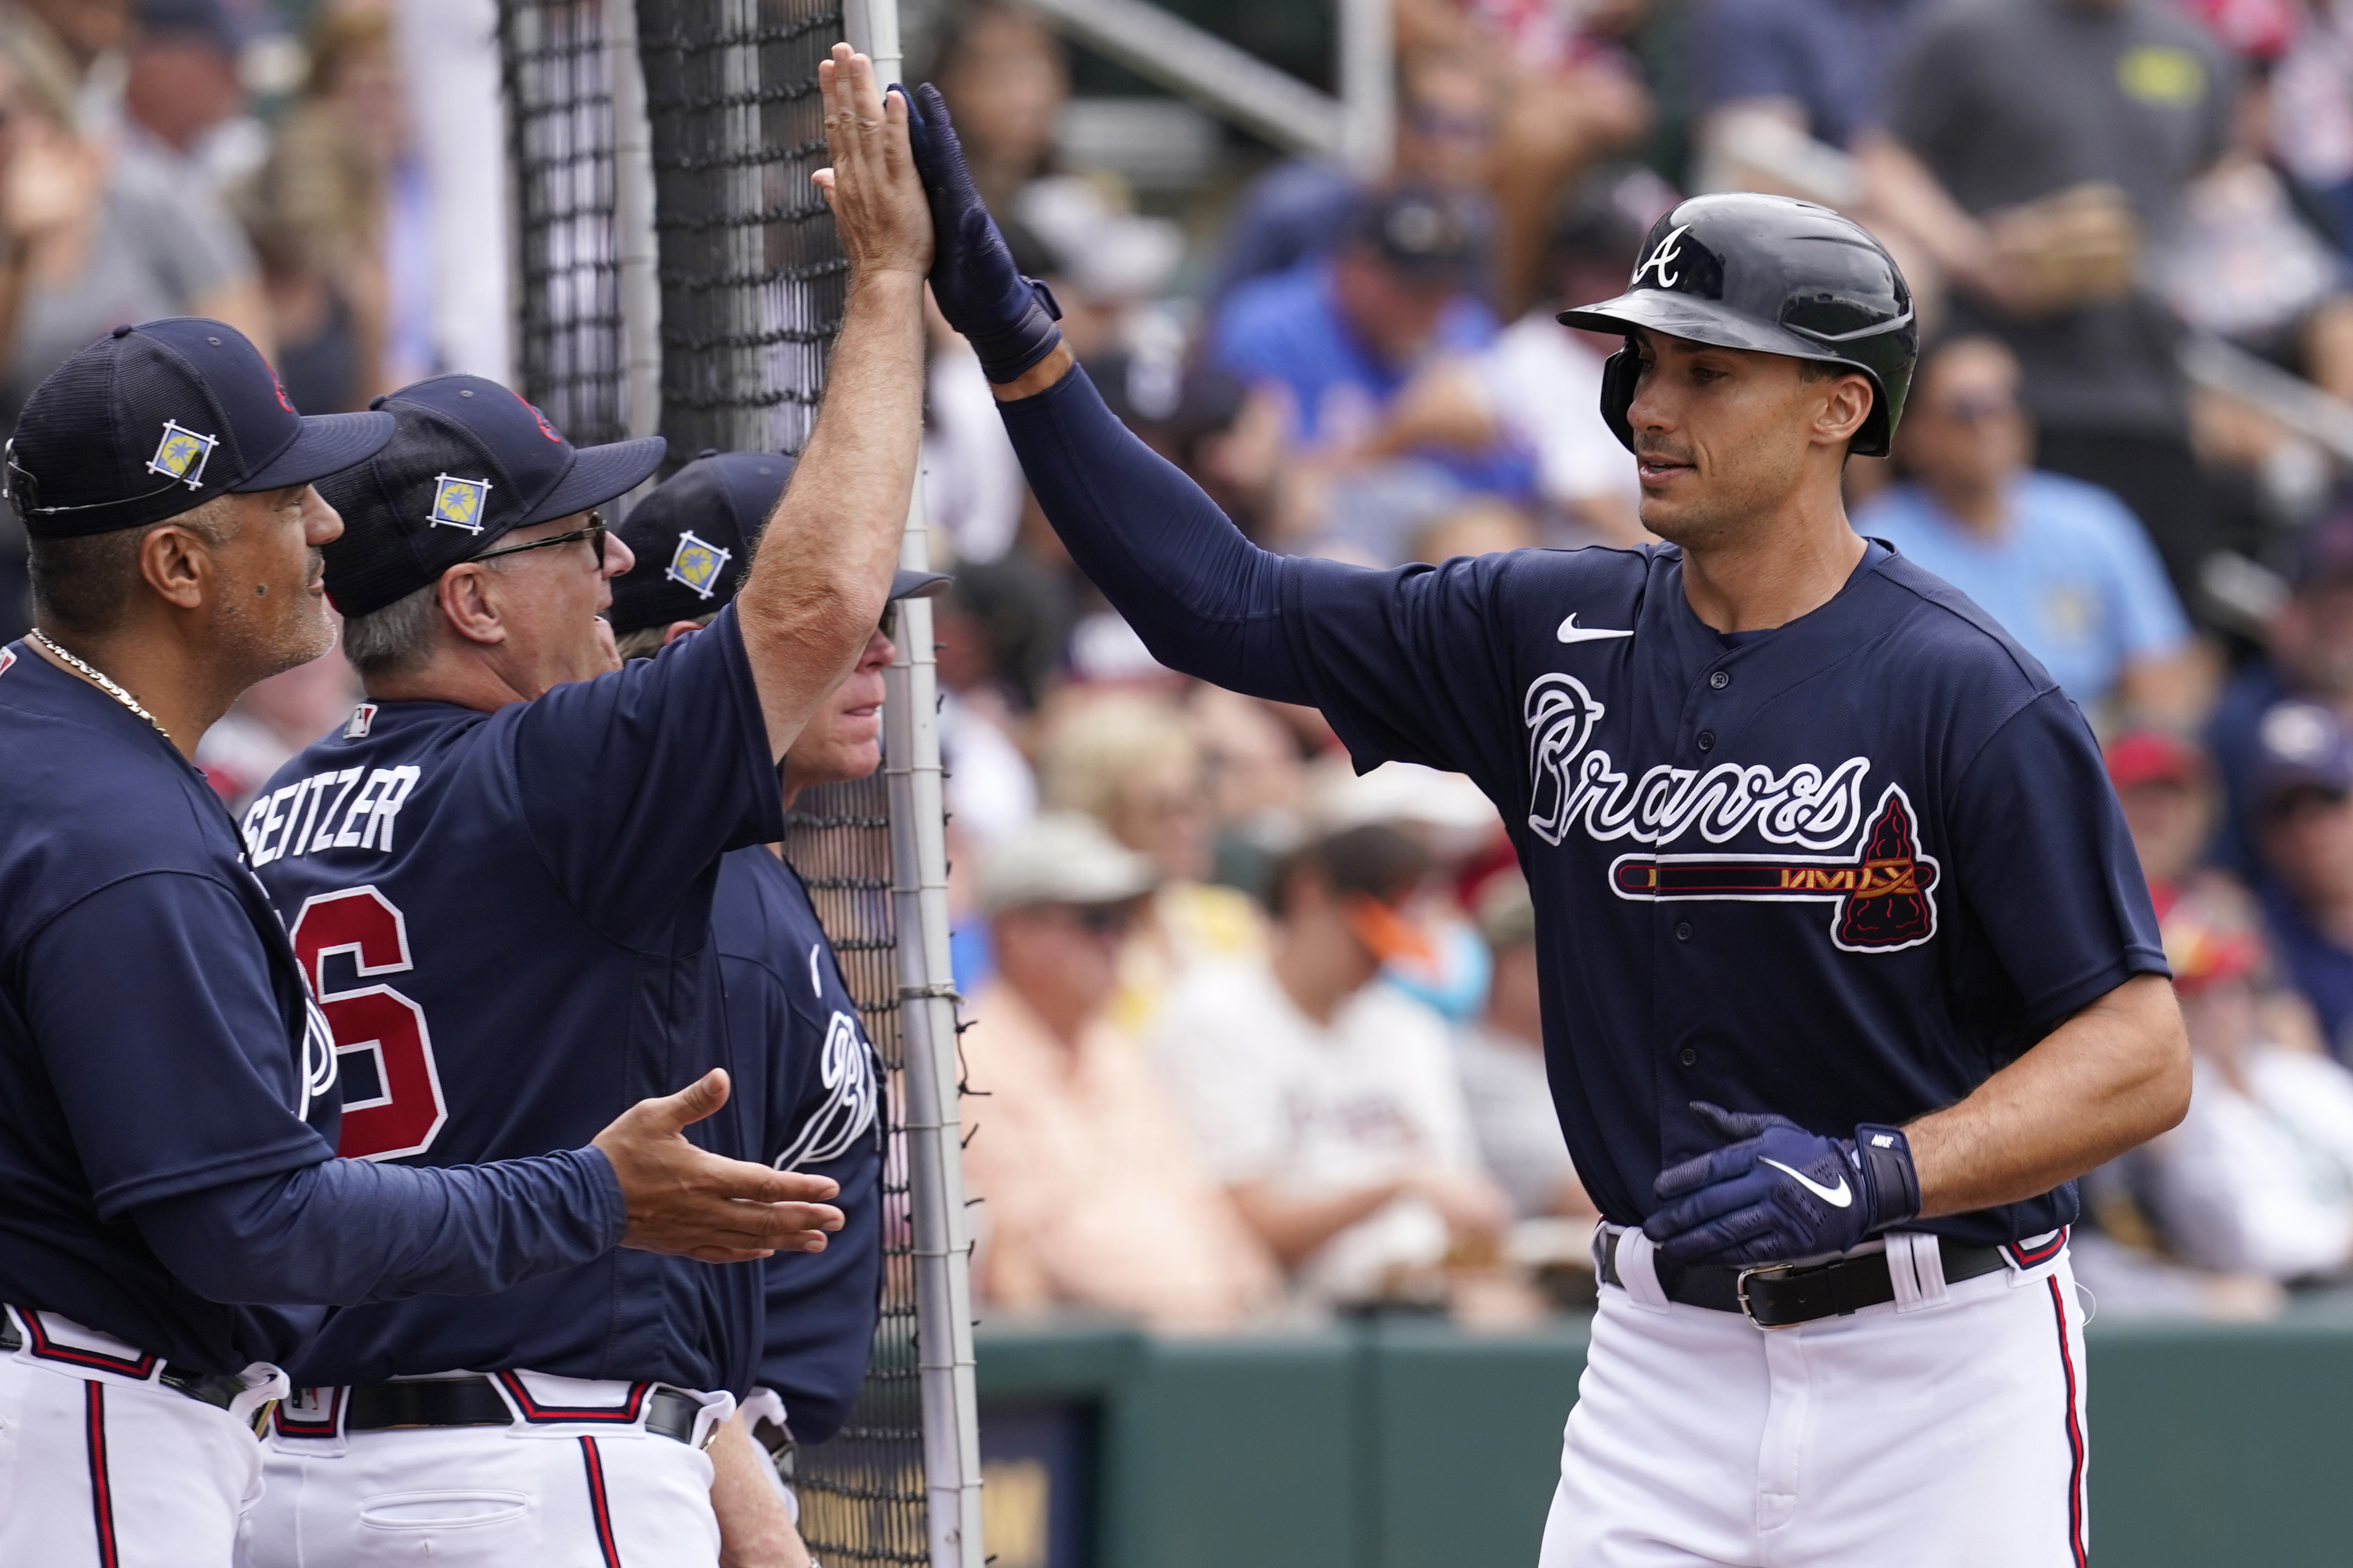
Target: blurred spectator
{"x":1817,"y":65}
{"x":1131,"y":762}
{"x":1005,"y":79}
{"x":273,"y":721}
{"x":1502,"y":1063}
{"x":1091,"y":1193}
{"x":2303,"y":828}
{"x":1327,"y":1101}
{"x":1481,"y":526}
{"x":2312,"y":125}
{"x":2061,"y":564}
{"x":80,"y":32}
{"x":2031,"y":147}
{"x":182,"y":103}
{"x":1545,"y":378}
{"x":2259,"y":1177}
{"x":1298,"y":209}
{"x":2308,"y":652}
{"x":339,"y":213}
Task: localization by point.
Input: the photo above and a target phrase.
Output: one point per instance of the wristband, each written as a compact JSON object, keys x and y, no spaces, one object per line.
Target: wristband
{"x":1883,"y":1156}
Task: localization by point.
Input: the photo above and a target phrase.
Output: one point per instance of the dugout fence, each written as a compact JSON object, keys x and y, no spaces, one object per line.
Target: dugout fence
{"x":677,"y":271}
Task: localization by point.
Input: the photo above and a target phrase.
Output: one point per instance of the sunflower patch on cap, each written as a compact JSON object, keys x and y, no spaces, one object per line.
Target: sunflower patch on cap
{"x":697,"y":562}
{"x":458,"y":502}
{"x":182,"y":454}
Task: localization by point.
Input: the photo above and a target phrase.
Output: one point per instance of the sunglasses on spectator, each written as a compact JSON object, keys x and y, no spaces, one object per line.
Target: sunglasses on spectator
{"x":594,"y":533}
{"x":1103,"y":919}
{"x":1972,"y":407}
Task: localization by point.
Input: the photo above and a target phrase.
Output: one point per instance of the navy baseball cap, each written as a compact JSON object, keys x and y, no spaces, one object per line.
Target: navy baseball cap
{"x":693,"y":536}
{"x":2301,"y":745}
{"x":152,"y":420}
{"x":468,"y":462}
{"x":1420,"y":234}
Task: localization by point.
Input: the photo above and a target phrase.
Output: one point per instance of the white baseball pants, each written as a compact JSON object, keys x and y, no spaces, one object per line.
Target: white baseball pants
{"x":1945,"y":1430}
{"x":548,"y":1494}
{"x":102,"y":1467}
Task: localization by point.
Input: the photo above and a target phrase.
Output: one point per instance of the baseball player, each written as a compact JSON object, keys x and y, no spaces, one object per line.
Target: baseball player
{"x":169,"y":1198}
{"x":788,"y":1018}
{"x":528,"y":938}
{"x":1848,"y":967}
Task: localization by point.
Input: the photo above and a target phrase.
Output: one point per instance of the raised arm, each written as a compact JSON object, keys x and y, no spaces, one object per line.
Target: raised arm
{"x":823,"y":567}
{"x":1204,"y":599}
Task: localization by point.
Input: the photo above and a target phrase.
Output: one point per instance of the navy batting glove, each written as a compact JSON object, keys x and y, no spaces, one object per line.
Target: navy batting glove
{"x":1779,"y":1192}
{"x":1007,"y":319}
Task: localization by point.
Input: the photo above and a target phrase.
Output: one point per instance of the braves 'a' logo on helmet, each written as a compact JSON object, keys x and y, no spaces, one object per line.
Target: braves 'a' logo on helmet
{"x":1664,"y":255}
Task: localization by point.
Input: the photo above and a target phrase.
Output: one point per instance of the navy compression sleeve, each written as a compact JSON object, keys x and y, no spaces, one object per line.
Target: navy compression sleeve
{"x":342,"y":1232}
{"x":1204,"y":599}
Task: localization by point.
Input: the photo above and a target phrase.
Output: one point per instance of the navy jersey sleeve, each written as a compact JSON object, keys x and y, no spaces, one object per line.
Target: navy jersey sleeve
{"x":344,"y":1232}
{"x":1407,"y":664}
{"x":165,"y":1041}
{"x":2044,"y":857}
{"x":632,"y":783}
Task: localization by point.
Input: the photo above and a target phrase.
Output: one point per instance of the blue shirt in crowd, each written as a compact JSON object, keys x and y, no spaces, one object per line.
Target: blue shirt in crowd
{"x":1287,"y":328}
{"x":1830,"y":57}
{"x":2073,"y":578}
{"x":2321,"y":971}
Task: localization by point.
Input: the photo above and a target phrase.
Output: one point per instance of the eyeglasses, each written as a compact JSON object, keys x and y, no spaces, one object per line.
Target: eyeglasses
{"x":594,"y":533}
{"x":1103,"y":919}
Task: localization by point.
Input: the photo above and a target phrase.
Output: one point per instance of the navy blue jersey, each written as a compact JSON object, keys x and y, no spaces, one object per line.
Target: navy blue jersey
{"x":153,"y":1023}
{"x":1844,"y":870}
{"x":505,"y":916}
{"x":792,"y":1026}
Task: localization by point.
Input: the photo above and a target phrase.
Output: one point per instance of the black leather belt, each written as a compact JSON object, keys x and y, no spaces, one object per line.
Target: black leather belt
{"x":1780,"y":1295}
{"x":476,"y":1402}
{"x":217,"y":1389}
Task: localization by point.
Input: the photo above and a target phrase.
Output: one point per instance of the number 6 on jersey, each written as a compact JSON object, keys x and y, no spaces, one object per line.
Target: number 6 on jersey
{"x":405,"y":1113}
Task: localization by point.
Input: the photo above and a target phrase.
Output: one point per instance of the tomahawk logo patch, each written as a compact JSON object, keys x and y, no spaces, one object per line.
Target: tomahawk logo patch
{"x":1872,"y":870}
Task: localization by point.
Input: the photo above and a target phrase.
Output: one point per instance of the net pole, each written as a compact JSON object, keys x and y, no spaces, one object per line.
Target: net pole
{"x":927,"y":1003}
{"x":633,"y":221}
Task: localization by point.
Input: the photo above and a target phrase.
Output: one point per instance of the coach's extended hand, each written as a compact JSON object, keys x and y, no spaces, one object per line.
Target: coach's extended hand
{"x":686,"y":1200}
{"x":1780,"y":1192}
{"x":1007,"y":319}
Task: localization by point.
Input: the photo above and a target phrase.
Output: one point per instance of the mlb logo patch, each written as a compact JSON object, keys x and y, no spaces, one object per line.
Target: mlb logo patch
{"x":458,"y":502}
{"x":182,"y":455}
{"x":362,"y":717}
{"x":8,"y":658}
{"x":697,"y":562}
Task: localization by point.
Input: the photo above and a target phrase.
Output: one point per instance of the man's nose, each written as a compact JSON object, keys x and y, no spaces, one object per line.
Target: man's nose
{"x":619,"y":556}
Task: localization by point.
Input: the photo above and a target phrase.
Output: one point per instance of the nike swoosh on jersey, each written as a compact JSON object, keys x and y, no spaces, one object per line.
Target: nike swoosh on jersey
{"x":1571,"y":632}
{"x":1838,"y":1197}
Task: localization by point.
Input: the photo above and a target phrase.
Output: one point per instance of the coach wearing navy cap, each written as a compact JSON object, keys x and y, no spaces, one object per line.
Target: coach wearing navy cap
{"x":168,"y":1097}
{"x":785,"y":1011}
{"x":498,"y":877}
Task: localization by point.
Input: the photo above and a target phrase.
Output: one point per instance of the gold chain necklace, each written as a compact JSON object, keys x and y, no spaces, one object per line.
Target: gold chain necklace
{"x":100,"y":679}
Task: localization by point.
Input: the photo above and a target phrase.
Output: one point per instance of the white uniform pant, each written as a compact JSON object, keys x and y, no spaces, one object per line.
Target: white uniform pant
{"x":1947,"y":1435}
{"x":105,"y":1468}
{"x":543,"y":1494}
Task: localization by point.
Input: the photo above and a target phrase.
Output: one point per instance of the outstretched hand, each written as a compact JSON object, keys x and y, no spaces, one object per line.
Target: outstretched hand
{"x":1008,"y":319}
{"x":877,"y":203}
{"x":688,"y":1201}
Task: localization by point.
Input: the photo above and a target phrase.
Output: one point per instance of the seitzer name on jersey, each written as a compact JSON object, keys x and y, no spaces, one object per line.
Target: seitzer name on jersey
{"x":351,"y":809}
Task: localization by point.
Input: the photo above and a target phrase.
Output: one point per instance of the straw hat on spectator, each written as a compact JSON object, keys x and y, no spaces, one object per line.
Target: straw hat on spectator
{"x":1061,"y":858}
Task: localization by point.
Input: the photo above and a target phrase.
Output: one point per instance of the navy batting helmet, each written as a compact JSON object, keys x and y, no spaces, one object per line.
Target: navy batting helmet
{"x":1774,"y":276}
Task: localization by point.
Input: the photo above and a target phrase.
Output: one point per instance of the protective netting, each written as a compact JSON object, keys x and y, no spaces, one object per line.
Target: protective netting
{"x":862,"y":1493}
{"x":752,"y":274}
{"x":568,"y":344}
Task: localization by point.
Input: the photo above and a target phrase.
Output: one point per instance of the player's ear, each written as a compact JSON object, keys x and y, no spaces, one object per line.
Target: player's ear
{"x":1845,"y":407}
{"x":678,"y":629}
{"x":465,"y":595}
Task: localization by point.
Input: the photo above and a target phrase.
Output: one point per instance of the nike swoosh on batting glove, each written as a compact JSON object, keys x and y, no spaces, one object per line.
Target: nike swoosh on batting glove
{"x":1778,"y":1193}
{"x":1010,"y":320}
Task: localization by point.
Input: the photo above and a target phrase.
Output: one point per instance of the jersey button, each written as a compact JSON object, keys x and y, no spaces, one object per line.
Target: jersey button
{"x":1690,"y":1057}
{"x":1683,"y":930}
{"x":1720,"y":680}
{"x":1708,"y":740}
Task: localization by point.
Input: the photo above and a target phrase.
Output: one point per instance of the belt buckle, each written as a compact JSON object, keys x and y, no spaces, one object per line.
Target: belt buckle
{"x":1740,"y":1291}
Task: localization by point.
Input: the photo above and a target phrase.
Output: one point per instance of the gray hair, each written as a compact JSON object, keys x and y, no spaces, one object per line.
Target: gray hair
{"x":397,"y":637}
{"x":647,"y":641}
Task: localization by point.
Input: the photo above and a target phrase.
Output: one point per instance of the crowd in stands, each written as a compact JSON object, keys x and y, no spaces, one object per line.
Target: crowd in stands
{"x":1252,"y":1037}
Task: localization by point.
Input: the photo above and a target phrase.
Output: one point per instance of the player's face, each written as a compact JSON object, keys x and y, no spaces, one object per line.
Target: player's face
{"x":551,"y":603}
{"x":271,"y":613}
{"x":1723,"y":439}
{"x":843,"y":739}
